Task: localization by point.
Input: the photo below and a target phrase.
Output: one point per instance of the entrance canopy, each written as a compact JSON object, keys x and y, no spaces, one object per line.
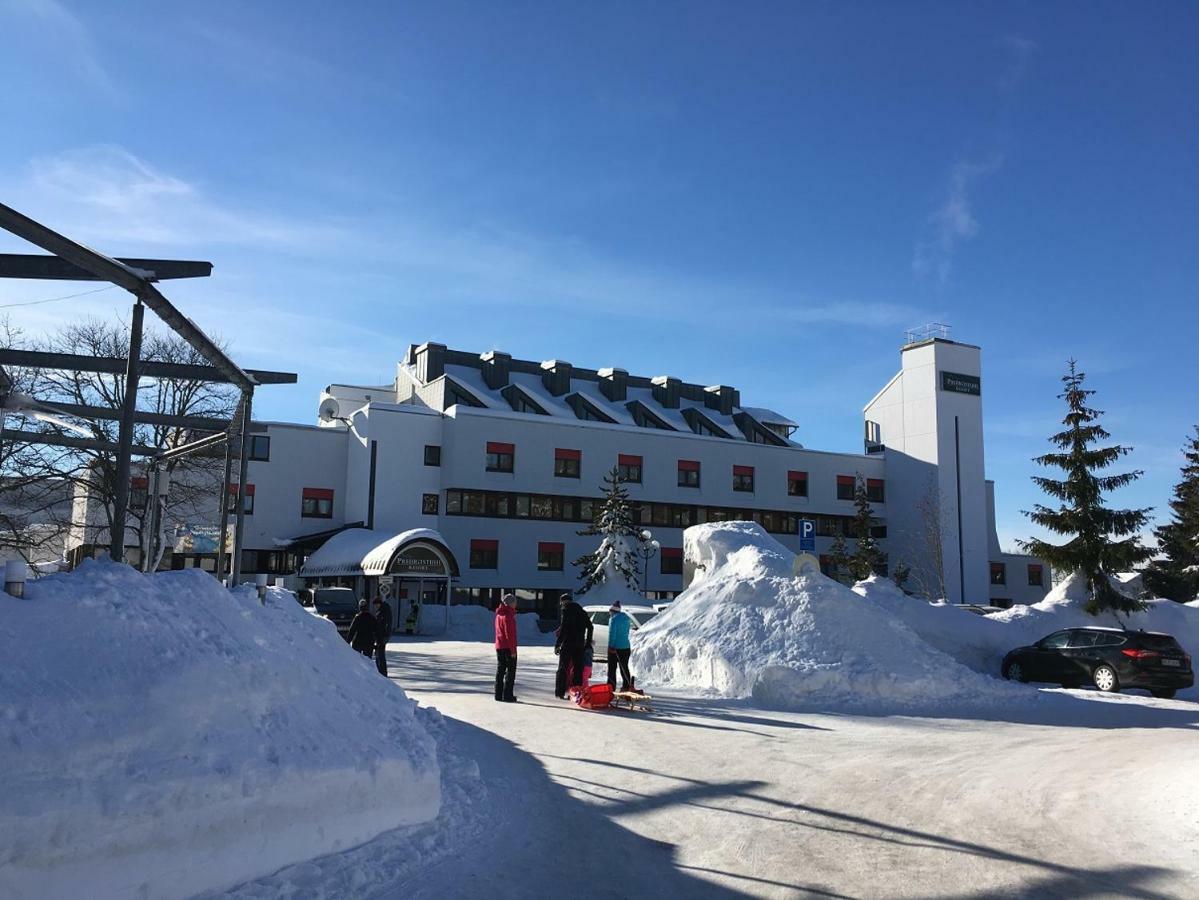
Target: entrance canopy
{"x":364,"y":551}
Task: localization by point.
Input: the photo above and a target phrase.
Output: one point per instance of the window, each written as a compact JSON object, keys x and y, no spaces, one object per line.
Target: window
{"x":428,"y":504}
{"x":878,"y":531}
{"x":549,"y":556}
{"x":231,"y":500}
{"x":432,"y":455}
{"x":600,"y":617}
{"x":688,"y":473}
{"x":1055,"y":641}
{"x":629,"y":468}
{"x":845,"y":484}
{"x":876,"y":490}
{"x":316,"y":503}
{"x":797,"y":484}
{"x":998,"y":573}
{"x":1083,"y":638}
{"x":260,"y":447}
{"x":743,"y":478}
{"x":484,"y":554}
{"x":1036,"y":575}
{"x":672,"y":560}
{"x":500,"y":457}
{"x":567,"y":463}
{"x":138,"y":493}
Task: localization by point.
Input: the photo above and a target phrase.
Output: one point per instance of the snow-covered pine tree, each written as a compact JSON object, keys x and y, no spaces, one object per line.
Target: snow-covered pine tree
{"x":1102,"y":541}
{"x":615,"y":560}
{"x":838,"y":556}
{"x":1175,"y":573}
{"x":866,"y":555}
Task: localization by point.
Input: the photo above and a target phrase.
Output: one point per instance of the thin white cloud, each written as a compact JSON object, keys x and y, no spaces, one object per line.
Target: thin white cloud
{"x":953,"y":222}
{"x":62,"y":36}
{"x":1020,"y":51}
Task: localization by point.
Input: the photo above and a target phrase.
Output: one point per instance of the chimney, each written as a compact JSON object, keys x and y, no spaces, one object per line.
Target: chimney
{"x":497,"y":366}
{"x":666,"y":391}
{"x":614,"y":384}
{"x":555,"y":375}
{"x":722,"y":398}
{"x":430,"y":361}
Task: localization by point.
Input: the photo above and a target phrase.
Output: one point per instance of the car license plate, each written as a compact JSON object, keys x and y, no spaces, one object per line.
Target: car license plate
{"x":1172,"y":662}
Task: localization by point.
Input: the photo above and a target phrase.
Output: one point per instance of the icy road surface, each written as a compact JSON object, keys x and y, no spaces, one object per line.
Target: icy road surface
{"x":713,"y":798}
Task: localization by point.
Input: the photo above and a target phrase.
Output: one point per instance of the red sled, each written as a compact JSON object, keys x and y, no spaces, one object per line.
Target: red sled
{"x":593,"y":696}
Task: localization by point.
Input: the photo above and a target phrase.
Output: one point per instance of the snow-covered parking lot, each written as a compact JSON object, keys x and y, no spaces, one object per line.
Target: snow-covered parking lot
{"x":1082,"y":795}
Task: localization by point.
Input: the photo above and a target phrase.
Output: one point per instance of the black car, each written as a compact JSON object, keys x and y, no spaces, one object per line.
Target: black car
{"x":1109,"y":658}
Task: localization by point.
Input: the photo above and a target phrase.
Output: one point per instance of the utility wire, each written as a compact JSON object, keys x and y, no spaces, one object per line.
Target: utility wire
{"x":56,"y":299}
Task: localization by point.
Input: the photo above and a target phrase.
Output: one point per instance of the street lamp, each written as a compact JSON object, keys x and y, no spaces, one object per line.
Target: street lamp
{"x":646,"y":551}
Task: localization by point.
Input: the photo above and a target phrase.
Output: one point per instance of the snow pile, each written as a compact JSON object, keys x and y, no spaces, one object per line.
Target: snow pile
{"x":161,"y":736}
{"x":477,"y":623}
{"x":748,"y":627}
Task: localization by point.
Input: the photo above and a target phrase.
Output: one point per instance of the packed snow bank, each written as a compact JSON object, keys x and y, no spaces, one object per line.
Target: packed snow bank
{"x":477,"y":623}
{"x":981,"y":642}
{"x":161,"y":736}
{"x":749,"y":628}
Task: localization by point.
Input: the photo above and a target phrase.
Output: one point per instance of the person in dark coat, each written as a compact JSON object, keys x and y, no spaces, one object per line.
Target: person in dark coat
{"x":363,"y":631}
{"x":574,"y":637}
{"x":383,"y":620}
{"x":505,"y":649}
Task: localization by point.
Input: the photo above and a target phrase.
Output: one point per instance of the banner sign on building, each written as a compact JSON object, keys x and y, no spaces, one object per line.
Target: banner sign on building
{"x":961,"y":384}
{"x":807,"y":536}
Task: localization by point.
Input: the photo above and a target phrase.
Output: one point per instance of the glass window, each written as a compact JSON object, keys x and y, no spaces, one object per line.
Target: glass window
{"x":1083,"y":638}
{"x":845,"y":485}
{"x":672,"y":562}
{"x":522,"y":506}
{"x":688,"y":473}
{"x":428,"y":504}
{"x":599,"y":617}
{"x":1036,"y":576}
{"x":484,"y":554}
{"x":876,"y":490}
{"x":500,"y":462}
{"x":260,"y":447}
{"x":566,"y":468}
{"x":797,"y":484}
{"x":1055,"y":641}
{"x":231,"y":500}
{"x":549,"y":557}
{"x":432,"y":455}
{"x":541,"y":508}
{"x":641,"y":618}
{"x":629,"y":468}
{"x":743,"y":479}
{"x":998,"y":573}
{"x":453,"y":502}
{"x":316,"y":503}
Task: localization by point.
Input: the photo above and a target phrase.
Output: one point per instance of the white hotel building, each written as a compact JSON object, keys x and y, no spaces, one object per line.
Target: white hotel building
{"x":473,"y":473}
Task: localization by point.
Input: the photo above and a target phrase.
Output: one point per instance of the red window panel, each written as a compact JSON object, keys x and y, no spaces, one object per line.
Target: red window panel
{"x":743,"y":470}
{"x":497,"y":447}
{"x":873,"y":482}
{"x":671,"y":552}
{"x":797,"y":476}
{"x":845,"y":479}
{"x":250,"y":491}
{"x":138,"y":484}
{"x":688,"y":465}
{"x":318,"y":494}
{"x":477,"y":544}
{"x":560,"y":453}
{"x":625,"y":459}
{"x":549,"y":547}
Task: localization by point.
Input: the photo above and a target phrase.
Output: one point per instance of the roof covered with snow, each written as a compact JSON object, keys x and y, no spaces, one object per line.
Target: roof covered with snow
{"x":364,"y":551}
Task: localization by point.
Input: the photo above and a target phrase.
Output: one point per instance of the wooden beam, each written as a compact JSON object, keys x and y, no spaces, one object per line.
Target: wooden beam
{"x":110,"y":365}
{"x":36,"y":266}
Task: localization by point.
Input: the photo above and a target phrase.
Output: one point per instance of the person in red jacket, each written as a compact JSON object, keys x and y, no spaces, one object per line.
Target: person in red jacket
{"x":505,"y":649}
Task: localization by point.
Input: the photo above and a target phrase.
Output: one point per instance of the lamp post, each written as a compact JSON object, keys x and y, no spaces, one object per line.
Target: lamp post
{"x":646,"y":551}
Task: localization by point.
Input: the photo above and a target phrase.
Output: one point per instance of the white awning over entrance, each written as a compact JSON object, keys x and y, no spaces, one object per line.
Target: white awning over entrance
{"x":363,"y":551}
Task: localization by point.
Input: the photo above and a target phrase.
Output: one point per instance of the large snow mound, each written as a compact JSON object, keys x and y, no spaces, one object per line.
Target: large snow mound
{"x":161,"y":736}
{"x":747,"y":627}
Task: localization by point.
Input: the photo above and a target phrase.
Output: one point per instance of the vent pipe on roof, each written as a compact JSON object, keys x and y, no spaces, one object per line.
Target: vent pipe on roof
{"x":666,"y":391}
{"x":555,"y":375}
{"x":614,"y":384}
{"x":497,"y":367}
{"x":430,"y":361}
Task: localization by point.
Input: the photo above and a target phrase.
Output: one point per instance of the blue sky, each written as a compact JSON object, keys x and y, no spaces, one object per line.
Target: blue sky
{"x":760,"y":194}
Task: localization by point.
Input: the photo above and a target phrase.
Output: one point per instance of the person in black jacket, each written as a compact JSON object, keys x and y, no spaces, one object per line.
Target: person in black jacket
{"x":363,"y":631}
{"x":574,"y":637}
{"x":383,"y":618}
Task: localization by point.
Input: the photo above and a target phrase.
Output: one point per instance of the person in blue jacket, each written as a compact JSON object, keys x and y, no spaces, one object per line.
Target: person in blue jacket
{"x":619,"y":647}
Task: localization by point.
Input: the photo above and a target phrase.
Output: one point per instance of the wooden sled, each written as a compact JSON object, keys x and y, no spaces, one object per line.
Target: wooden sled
{"x":633,"y":700}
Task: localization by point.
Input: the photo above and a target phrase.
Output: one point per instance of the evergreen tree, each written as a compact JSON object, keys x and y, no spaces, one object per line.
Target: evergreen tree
{"x":838,"y":556}
{"x":1175,"y":574}
{"x":866,"y":555}
{"x":1102,"y":541}
{"x":615,"y":558}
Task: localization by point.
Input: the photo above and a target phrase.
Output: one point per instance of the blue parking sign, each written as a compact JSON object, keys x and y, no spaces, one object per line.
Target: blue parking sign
{"x":807,"y":536}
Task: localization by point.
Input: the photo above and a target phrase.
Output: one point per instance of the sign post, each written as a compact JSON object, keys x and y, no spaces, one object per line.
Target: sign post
{"x":807,"y":536}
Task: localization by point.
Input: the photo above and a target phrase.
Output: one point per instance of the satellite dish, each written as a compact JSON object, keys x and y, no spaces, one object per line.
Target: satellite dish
{"x":328,"y":410}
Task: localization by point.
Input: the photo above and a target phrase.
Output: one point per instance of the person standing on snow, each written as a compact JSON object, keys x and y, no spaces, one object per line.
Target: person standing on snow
{"x":363,"y":631}
{"x":574,"y":637}
{"x":619,"y":647}
{"x":383,"y":620}
{"x":505,"y":649}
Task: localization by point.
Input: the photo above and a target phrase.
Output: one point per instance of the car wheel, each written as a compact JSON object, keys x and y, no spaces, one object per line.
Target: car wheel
{"x":1164,"y":695}
{"x":1106,"y":680}
{"x":1015,"y":672}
